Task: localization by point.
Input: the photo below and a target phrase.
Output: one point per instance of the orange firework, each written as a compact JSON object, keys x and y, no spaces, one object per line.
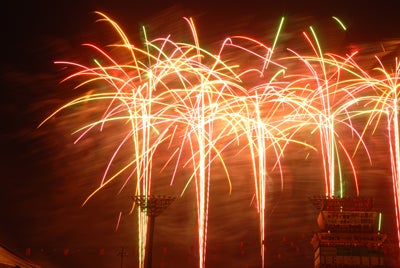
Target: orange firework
{"x":177,"y":106}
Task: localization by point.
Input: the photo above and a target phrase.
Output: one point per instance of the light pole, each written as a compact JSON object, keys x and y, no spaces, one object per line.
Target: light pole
{"x":152,"y":205}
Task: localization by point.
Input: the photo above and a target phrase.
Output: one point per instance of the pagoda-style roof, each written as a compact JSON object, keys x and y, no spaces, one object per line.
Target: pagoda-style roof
{"x":10,"y":259}
{"x":351,"y":203}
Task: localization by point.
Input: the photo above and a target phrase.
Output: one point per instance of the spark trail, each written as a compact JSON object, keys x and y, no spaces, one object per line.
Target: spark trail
{"x":383,"y":101}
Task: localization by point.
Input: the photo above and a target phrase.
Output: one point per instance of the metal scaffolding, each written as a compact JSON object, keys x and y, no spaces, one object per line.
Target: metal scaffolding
{"x":152,"y":206}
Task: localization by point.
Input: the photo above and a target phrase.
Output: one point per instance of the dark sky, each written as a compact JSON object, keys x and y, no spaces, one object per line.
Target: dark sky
{"x":45,"y":177}
{"x":27,"y":25}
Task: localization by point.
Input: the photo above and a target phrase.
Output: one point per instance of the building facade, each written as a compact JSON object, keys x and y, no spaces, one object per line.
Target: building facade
{"x":349,"y":234}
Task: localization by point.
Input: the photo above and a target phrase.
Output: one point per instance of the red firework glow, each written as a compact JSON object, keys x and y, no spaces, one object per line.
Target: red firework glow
{"x":239,"y":114}
{"x":255,"y":100}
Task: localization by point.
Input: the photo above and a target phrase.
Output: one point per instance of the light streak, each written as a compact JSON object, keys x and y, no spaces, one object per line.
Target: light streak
{"x":340,"y":23}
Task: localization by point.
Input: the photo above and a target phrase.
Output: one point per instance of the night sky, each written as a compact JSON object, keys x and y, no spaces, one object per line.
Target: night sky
{"x":45,"y":177}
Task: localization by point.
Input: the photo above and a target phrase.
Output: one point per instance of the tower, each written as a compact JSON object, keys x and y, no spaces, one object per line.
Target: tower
{"x":152,"y":205}
{"x":349,"y":233}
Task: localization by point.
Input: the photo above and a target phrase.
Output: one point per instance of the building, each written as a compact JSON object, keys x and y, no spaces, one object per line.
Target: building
{"x":9,"y":259}
{"x":350,"y":234}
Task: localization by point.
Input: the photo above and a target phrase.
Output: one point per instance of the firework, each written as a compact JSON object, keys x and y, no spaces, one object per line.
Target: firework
{"x":167,"y":91}
{"x":383,"y":101}
{"x":180,"y":100}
